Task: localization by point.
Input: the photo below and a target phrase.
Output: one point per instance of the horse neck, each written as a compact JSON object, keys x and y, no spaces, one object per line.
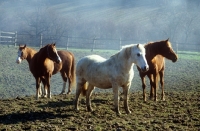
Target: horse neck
{"x":42,"y":53}
{"x":153,"y":49}
{"x":125,"y":64}
{"x":30,"y":54}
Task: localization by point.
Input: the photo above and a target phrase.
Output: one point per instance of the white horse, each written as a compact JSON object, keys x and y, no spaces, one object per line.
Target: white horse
{"x":117,"y":71}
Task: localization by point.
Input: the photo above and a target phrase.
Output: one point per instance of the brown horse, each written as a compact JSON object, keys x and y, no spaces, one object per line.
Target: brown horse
{"x":42,"y":66}
{"x":155,"y":54}
{"x":66,"y":68}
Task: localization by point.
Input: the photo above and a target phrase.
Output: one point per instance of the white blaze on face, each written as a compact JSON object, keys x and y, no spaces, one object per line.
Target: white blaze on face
{"x":19,"y":60}
{"x":59,"y":59}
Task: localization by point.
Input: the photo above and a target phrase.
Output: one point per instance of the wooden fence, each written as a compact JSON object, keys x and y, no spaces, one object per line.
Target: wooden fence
{"x":84,"y":43}
{"x":8,"y":37}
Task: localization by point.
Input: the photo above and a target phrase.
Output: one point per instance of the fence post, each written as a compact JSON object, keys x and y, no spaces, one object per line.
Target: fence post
{"x":0,"y":37}
{"x":176,"y":48}
{"x":41,"y":40}
{"x":94,"y":40}
{"x":67,"y":42}
{"x":15,"y":39}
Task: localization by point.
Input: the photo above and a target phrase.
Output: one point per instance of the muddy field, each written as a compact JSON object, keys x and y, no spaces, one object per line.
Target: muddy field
{"x":20,"y":111}
{"x":179,"y":112}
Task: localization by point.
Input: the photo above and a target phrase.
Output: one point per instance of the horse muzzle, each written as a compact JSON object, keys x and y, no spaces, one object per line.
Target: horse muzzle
{"x":58,"y":60}
{"x":145,"y":68}
{"x":175,"y":59}
{"x":18,"y":61}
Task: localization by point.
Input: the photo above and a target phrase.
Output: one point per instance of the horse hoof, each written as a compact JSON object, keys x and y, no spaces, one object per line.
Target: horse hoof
{"x":118,"y":113}
{"x":44,"y":96}
{"x":76,"y":109}
{"x":163,"y":100}
{"x":89,"y":109}
{"x":128,"y":112}
{"x":62,"y":93}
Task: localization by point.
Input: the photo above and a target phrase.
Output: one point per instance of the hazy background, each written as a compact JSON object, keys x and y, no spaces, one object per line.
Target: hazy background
{"x":79,"y":22}
{"x":129,"y":20}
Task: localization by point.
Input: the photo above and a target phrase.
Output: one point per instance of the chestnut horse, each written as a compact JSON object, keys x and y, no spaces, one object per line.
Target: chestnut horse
{"x":42,"y":66}
{"x":66,"y":68}
{"x":155,"y":54}
{"x":117,"y":71}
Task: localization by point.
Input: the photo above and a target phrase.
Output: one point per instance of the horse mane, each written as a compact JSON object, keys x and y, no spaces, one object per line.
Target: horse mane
{"x":44,"y":47}
{"x":153,"y":48}
{"x":159,"y":43}
{"x":125,"y":50}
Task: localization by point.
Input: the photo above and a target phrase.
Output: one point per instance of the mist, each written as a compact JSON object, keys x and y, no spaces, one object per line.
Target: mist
{"x":133,"y":21}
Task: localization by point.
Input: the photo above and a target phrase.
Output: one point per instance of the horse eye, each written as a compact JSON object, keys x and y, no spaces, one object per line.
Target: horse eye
{"x":138,"y":54}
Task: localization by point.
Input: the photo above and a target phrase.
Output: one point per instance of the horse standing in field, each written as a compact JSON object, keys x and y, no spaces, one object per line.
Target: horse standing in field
{"x":66,"y":67}
{"x":155,"y":54}
{"x":42,"y":66}
{"x":117,"y":71}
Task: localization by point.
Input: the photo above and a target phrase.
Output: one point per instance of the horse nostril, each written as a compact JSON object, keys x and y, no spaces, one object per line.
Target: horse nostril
{"x":146,"y":68}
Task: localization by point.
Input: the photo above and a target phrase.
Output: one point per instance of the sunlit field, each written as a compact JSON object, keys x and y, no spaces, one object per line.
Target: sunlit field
{"x":20,"y":111}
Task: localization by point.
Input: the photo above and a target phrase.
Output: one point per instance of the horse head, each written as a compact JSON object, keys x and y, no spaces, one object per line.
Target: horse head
{"x":21,"y":54}
{"x":52,"y":53}
{"x":140,"y":59}
{"x":168,"y":52}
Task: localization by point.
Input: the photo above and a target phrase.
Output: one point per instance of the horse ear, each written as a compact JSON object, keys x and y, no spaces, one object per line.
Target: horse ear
{"x":25,"y":46}
{"x":167,"y":39}
{"x":137,"y":45}
{"x":54,"y":43}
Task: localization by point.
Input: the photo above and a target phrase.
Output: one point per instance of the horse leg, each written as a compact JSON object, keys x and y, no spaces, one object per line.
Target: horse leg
{"x":151,"y":86}
{"x":79,"y":87}
{"x":161,"y":73}
{"x":88,"y":94}
{"x":40,"y":90}
{"x":125,"y":91}
{"x":48,"y":86}
{"x":116,"y":98}
{"x":155,"y":83}
{"x":38,"y":81}
{"x":70,"y":81}
{"x":64,"y":77}
{"x":44,"y":93}
{"x":143,"y":87}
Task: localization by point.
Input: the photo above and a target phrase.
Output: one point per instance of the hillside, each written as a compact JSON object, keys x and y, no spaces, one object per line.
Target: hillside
{"x":177,"y":20}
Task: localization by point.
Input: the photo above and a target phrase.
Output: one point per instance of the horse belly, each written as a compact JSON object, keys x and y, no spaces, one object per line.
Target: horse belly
{"x":100,"y":82}
{"x":93,"y":71}
{"x":57,"y":67}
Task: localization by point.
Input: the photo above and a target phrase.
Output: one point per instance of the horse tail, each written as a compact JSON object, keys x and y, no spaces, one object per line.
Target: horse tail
{"x":84,"y":89}
{"x":73,"y":74}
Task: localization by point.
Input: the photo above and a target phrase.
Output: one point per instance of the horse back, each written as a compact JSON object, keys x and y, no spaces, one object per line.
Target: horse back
{"x":67,"y":60}
{"x":92,"y":69}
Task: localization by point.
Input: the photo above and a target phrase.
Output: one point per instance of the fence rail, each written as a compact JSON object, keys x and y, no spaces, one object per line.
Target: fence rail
{"x":83,"y":42}
{"x":8,"y":37}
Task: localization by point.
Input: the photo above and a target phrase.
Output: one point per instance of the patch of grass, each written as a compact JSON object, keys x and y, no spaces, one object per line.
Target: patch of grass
{"x":17,"y":80}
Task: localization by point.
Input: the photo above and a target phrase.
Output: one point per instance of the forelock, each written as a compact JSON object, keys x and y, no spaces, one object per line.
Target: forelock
{"x":141,"y":48}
